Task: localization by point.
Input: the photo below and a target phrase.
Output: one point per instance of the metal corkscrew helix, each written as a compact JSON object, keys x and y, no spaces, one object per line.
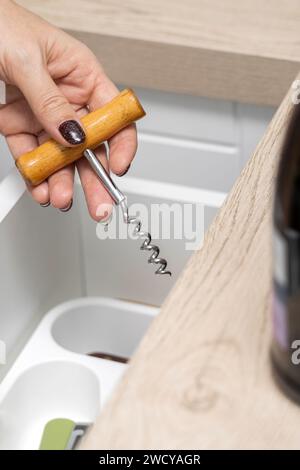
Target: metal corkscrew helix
{"x":120,"y":199}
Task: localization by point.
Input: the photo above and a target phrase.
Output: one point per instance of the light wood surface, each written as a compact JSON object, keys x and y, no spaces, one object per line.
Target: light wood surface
{"x":246,"y":51}
{"x":36,"y":165}
{"x":201,"y":377}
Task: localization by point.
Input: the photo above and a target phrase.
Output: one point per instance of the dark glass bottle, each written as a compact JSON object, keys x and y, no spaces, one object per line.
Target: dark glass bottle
{"x":286,"y":264}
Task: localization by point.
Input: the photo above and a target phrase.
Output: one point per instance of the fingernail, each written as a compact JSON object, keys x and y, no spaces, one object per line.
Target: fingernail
{"x":104,"y":213}
{"x":66,"y":209}
{"x":72,"y":132}
{"x":46,"y":204}
{"x":105,"y":220}
{"x":126,"y":171}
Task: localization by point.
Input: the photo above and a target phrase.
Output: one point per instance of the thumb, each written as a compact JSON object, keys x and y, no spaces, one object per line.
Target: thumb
{"x":50,"y":106}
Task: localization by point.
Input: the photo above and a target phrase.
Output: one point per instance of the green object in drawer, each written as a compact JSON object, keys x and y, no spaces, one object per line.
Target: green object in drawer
{"x":61,"y":434}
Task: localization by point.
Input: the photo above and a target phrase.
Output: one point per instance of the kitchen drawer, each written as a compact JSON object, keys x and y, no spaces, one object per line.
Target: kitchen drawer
{"x":188,"y":116}
{"x":185,"y":162}
{"x":50,"y":256}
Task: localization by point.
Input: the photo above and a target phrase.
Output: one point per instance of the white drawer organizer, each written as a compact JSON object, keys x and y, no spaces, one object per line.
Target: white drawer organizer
{"x":54,"y":378}
{"x":191,"y":150}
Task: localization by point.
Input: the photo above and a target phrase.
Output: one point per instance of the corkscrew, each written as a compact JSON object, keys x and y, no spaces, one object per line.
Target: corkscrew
{"x":120,"y":199}
{"x":100,"y":125}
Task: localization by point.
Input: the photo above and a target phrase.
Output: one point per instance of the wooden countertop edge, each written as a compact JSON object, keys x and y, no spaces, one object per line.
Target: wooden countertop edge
{"x":192,"y":70}
{"x":201,"y":377}
{"x":247,"y":52}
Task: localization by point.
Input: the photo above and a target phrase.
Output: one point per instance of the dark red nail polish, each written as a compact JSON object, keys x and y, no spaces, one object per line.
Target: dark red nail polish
{"x":126,"y":171}
{"x":72,"y":132}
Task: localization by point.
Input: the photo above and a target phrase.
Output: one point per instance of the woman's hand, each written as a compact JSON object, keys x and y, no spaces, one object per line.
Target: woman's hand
{"x":52,"y":80}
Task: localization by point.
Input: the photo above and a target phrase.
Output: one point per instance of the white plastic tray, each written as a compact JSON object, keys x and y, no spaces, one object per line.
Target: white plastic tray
{"x":55,"y":378}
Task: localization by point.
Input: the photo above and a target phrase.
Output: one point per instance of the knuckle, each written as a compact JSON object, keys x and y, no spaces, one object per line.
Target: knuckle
{"x":52,"y":103}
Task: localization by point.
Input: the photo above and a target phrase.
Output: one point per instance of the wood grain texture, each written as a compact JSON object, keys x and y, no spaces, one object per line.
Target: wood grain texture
{"x":201,"y":377}
{"x":245,"y":51}
{"x":38,"y":164}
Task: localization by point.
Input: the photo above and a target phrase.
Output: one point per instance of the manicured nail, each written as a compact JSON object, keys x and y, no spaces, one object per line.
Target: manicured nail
{"x":104,"y":213}
{"x":46,"y":204}
{"x":106,"y":219}
{"x":66,"y":209}
{"x":72,"y":132}
{"x":126,"y":171}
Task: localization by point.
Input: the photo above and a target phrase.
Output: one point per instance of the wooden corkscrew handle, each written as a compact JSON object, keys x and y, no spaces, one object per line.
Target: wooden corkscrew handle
{"x":100,"y":125}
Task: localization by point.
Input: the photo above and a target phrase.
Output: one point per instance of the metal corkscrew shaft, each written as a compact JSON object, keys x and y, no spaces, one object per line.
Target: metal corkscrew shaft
{"x":102,"y":174}
{"x":120,"y":199}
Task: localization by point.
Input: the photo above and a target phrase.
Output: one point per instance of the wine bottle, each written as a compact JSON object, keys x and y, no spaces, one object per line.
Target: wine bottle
{"x":285,"y":350}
